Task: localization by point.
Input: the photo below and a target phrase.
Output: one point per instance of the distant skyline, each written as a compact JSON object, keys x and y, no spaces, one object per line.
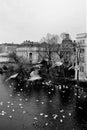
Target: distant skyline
{"x":32,"y":19}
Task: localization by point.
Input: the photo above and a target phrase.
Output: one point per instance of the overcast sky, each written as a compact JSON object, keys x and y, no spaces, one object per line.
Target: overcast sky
{"x":32,"y":19}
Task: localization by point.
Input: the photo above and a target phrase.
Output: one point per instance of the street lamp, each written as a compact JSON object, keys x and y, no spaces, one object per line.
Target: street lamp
{"x":77,"y":64}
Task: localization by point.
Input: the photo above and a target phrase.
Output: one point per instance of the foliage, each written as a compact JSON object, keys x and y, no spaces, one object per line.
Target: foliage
{"x":19,"y":64}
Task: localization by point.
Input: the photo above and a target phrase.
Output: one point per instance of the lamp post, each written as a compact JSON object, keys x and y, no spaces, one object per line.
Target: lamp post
{"x":78,"y":66}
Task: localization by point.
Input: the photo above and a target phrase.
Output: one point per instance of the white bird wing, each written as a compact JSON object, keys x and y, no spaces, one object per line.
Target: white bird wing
{"x":12,"y":76}
{"x":34,"y":77}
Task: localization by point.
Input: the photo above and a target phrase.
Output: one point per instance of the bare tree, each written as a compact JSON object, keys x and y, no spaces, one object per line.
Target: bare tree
{"x":65,"y":36}
{"x":50,"y":39}
{"x":14,"y":57}
{"x":50,"y":45}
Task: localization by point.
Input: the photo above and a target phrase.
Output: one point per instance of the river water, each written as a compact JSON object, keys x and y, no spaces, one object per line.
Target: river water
{"x":55,"y":108}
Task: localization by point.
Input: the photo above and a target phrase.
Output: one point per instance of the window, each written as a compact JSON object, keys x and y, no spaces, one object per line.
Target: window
{"x":82,"y":50}
{"x":82,"y":59}
{"x":81,"y":69}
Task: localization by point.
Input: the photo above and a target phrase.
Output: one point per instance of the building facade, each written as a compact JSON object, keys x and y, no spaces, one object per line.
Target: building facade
{"x":82,"y":43}
{"x":67,"y":51}
{"x":28,"y":51}
{"x":8,"y":47}
{"x":4,"y":58}
{"x":5,"y":50}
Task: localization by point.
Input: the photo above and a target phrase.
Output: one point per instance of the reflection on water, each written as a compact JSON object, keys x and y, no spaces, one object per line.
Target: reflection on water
{"x":41,"y":107}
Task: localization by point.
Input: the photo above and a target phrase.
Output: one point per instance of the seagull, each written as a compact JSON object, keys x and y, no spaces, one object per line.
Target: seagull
{"x":34,"y":76}
{"x":12,"y":77}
